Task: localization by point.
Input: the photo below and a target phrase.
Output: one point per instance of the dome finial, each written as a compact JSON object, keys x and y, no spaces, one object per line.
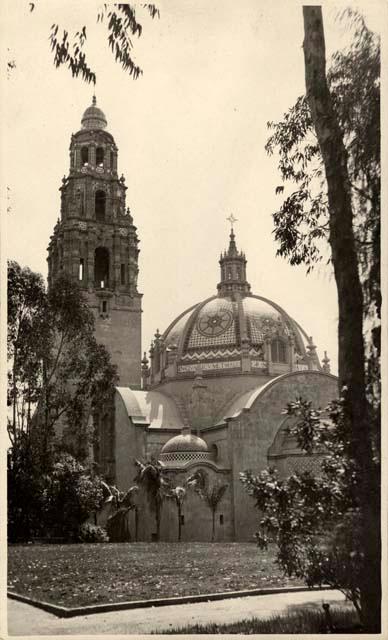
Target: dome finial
{"x":233,"y":267}
{"x":94,"y":101}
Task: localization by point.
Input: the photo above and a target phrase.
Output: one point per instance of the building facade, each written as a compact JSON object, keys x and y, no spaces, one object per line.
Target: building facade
{"x":211,"y":393}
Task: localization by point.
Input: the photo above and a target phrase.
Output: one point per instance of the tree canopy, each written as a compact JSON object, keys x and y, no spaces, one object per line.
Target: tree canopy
{"x":58,"y":375}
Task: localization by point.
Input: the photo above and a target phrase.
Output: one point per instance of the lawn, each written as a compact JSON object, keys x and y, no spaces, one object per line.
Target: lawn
{"x":85,"y":574}
{"x":300,"y":622}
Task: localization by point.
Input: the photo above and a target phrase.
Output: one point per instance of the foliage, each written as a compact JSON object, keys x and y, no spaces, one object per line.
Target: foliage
{"x":58,"y":374}
{"x":24,"y":489}
{"x":92,"y":533}
{"x":315,"y":519}
{"x":210,"y":494}
{"x":88,"y":573}
{"x":153,"y":478}
{"x":25,"y":343}
{"x":301,"y":222}
{"x":304,"y":621}
{"x":117,"y":524}
{"x":329,"y":147}
{"x":122,"y":24}
{"x":70,"y":494}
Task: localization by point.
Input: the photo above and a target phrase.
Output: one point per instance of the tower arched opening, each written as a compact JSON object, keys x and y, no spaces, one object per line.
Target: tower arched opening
{"x":101,"y":267}
{"x":100,"y":157}
{"x":84,"y":156}
{"x":100,"y":203}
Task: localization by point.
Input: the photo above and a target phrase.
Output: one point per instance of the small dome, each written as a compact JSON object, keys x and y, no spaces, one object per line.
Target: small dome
{"x":185,"y":442}
{"x":93,"y":117}
{"x":184,"y":448}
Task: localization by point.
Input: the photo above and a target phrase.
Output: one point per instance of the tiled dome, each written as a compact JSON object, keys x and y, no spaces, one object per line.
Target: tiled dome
{"x":231,"y":333}
{"x":93,"y":117}
{"x":184,"y":449}
{"x":185,"y":442}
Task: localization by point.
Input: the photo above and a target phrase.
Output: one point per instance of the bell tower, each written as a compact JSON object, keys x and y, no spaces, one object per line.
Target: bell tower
{"x":95,"y":241}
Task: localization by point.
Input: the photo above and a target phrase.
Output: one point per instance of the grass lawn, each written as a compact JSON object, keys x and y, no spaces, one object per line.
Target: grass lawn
{"x":300,"y":622}
{"x":81,"y":574}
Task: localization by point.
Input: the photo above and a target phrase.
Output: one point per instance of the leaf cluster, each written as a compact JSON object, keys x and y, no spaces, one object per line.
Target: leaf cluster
{"x":315,"y":519}
{"x":152,"y":477}
{"x":301,"y":222}
{"x":210,"y":494}
{"x":57,"y":373}
{"x":121,"y":23}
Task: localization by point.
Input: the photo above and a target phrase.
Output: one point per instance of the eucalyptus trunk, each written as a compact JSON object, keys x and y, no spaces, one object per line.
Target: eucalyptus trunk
{"x":350,"y":304}
{"x":179,"y":522}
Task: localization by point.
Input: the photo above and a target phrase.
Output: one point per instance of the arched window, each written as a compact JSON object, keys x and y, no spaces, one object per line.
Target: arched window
{"x":278,"y":351}
{"x":100,"y":157}
{"x":84,"y":156}
{"x":214,"y":451}
{"x":100,"y":201}
{"x":101,"y":267}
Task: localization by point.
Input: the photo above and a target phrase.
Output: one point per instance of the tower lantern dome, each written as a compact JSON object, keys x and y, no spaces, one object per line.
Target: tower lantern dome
{"x":233,"y":270}
{"x":93,"y":117}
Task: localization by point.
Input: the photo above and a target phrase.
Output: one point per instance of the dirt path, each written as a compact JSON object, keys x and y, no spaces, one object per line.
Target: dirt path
{"x":24,"y":620}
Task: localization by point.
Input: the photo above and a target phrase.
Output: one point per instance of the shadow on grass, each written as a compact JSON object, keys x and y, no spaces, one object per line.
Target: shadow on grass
{"x":302,"y":621}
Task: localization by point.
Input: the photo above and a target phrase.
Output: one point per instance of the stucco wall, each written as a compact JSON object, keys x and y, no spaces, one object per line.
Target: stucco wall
{"x":130,"y":443}
{"x":252,"y":433}
{"x":214,"y":399}
{"x":120,"y":333}
{"x":197,"y":515}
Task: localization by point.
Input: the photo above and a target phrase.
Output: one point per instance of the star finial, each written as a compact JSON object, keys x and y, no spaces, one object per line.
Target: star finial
{"x":232,"y":219}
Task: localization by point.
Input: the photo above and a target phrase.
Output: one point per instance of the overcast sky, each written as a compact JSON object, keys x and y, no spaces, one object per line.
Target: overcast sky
{"x":191,"y":133}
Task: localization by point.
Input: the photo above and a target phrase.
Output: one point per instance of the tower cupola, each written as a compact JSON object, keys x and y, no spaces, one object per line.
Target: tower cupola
{"x":93,"y":117}
{"x":233,"y":269}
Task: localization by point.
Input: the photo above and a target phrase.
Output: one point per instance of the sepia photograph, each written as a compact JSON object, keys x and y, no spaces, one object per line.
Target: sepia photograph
{"x":191,"y":318}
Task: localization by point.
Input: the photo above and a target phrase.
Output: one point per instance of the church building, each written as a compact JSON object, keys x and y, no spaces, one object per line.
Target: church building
{"x":212,"y":391}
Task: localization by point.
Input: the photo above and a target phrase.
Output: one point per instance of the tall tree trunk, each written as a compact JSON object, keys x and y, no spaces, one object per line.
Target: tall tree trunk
{"x":350,"y":303}
{"x":136,"y":523}
{"x":157,"y":523}
{"x":213,"y":525}
{"x":179,"y":523}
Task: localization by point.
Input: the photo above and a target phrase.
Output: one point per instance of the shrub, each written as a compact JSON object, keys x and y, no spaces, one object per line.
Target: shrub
{"x":92,"y":533}
{"x":69,"y":496}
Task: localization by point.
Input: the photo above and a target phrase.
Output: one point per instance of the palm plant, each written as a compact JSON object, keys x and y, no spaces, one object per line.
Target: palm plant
{"x":117,"y":524}
{"x":151,"y":476}
{"x":211,"y":495}
{"x":178,"y":494}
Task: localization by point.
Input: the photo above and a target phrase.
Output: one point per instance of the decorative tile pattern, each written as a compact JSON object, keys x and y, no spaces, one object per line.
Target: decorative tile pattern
{"x":263,"y":320}
{"x":225,"y":311}
{"x":185,"y":456}
{"x":174,"y":335}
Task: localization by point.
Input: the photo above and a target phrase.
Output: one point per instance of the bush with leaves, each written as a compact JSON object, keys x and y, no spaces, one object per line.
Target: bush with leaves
{"x":315,"y":520}
{"x":92,"y":533}
{"x":70,"y":494}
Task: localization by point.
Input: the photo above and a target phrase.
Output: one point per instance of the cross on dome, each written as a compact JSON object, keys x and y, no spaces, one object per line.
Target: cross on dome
{"x":232,"y":219}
